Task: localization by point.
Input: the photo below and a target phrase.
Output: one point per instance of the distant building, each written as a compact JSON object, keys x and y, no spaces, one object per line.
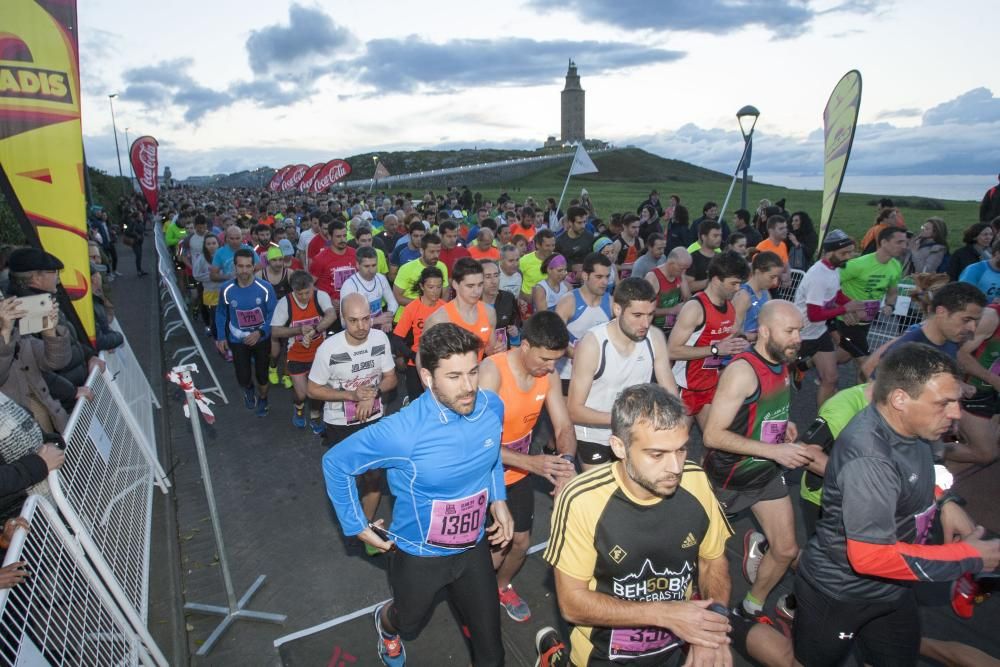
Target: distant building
{"x":573,"y":107}
{"x":552,"y":142}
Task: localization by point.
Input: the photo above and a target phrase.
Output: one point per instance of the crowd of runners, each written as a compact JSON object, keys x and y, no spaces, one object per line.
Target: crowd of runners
{"x":461,"y":352}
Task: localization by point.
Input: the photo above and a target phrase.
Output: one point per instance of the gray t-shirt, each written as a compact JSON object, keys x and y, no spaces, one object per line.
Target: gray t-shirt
{"x":646,"y":263}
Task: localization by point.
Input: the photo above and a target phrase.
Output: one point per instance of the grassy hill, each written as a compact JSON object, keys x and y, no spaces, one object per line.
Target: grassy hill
{"x":627,"y":176}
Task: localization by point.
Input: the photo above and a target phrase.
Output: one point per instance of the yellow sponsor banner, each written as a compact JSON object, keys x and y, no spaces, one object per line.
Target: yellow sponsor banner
{"x":41,"y":139}
{"x":840,"y":118}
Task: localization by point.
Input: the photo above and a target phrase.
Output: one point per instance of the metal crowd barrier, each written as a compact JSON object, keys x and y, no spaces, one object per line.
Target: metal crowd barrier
{"x":174,"y":303}
{"x":104,"y":492}
{"x":788,"y":293}
{"x":886,"y":327}
{"x":61,"y":614}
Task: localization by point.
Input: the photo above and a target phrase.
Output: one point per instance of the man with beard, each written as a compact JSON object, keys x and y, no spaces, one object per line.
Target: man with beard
{"x":442,"y":453}
{"x":621,"y":353}
{"x":709,"y":242}
{"x":585,"y":307}
{"x":332,"y":266}
{"x":819,"y":300}
{"x":630,"y":541}
{"x":749,"y":440}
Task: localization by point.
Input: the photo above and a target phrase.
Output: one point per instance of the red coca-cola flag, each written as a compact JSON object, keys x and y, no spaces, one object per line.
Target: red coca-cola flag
{"x":294,"y":177}
{"x":332,"y":171}
{"x":145,"y":163}
{"x":305,"y":185}
{"x":275,"y":183}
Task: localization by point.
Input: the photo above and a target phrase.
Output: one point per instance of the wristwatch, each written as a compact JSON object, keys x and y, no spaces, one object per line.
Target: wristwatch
{"x":568,"y":457}
{"x":715,"y":350}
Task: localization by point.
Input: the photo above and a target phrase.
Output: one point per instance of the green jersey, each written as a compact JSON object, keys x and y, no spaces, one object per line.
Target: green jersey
{"x":867,"y":279}
{"x":837,"y":412}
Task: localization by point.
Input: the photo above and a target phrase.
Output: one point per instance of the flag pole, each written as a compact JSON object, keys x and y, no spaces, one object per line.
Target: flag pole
{"x":568,"y":176}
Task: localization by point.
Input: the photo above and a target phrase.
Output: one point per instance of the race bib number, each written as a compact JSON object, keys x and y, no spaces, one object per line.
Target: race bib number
{"x":712,"y":363}
{"x":772,"y":431}
{"x":341,"y":274}
{"x":455,"y":524}
{"x":871,"y":309}
{"x":521,"y":445}
{"x":247,"y":319}
{"x":995,"y":367}
{"x":351,"y":410}
{"x":636,"y":642}
{"x":375,"y":307}
{"x":500,"y":338}
{"x":669,"y":319}
{"x":309,"y":322}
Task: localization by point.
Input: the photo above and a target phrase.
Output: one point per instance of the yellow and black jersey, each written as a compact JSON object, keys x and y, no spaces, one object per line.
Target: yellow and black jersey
{"x":633,"y":550}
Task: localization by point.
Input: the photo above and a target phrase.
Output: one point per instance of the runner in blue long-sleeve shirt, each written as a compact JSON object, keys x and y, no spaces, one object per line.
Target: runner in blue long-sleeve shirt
{"x":243,"y":325}
{"x":442,"y":456}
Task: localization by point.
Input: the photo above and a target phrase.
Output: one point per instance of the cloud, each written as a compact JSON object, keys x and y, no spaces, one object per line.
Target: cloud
{"x":976,"y":106}
{"x":909,"y":112}
{"x":309,"y":33}
{"x":409,"y":64}
{"x":783,"y":18}
{"x":950,"y":140}
{"x":168,"y":82}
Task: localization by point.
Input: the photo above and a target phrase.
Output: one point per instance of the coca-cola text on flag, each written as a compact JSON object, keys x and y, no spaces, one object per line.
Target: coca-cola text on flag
{"x":332,"y":171}
{"x":305,"y":185}
{"x":275,"y":183}
{"x":145,"y":163}
{"x":294,"y":177}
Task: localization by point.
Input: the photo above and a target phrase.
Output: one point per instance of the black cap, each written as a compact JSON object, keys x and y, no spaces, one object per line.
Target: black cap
{"x":24,"y":260}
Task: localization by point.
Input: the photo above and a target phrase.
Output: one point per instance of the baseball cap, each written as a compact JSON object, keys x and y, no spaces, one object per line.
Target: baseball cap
{"x":274,"y":253}
{"x":835,"y":240}
{"x":286,"y":247}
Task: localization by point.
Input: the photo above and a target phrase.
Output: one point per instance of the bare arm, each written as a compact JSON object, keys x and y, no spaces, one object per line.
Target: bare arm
{"x":538,"y":298}
{"x":564,"y":309}
{"x":689,"y":620}
{"x":736,"y":384}
{"x":984,"y":331}
{"x":323,"y":393}
{"x":562,"y":425}
{"x":690,"y":318}
{"x":662,"y":366}
{"x":401,"y":298}
{"x":713,"y":579}
{"x":584,"y":366}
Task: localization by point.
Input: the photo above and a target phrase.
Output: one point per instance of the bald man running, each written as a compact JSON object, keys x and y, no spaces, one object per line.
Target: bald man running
{"x":749,"y":439}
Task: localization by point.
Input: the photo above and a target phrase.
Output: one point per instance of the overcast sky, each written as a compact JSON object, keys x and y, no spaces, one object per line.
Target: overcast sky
{"x":227,"y":85}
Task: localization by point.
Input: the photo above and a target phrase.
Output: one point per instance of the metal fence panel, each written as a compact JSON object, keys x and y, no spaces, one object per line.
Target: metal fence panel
{"x":788,"y":293}
{"x":107,"y":484}
{"x":60,"y":614}
{"x":907,"y":313}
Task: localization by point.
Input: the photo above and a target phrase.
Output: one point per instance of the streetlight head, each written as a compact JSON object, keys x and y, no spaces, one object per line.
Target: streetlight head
{"x":112,"y":95}
{"x":748,"y":110}
{"x":747,"y":117}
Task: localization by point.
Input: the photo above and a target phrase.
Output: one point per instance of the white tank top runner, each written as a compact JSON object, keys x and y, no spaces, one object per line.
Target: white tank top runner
{"x":614,"y":373}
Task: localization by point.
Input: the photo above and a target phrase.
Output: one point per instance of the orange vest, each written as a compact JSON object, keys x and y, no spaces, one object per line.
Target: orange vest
{"x":480,"y":328}
{"x":521,"y":410}
{"x":310,"y":315}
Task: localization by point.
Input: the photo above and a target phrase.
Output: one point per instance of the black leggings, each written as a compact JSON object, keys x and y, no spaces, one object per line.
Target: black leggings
{"x":244,"y":355}
{"x":112,"y":251}
{"x":137,"y":250}
{"x":414,"y":387}
{"x":471,"y":584}
{"x":826,"y":630}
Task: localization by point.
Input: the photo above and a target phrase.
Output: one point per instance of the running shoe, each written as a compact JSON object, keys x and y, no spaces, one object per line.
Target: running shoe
{"x":272,"y":375}
{"x":785,"y":607}
{"x":250,"y":398}
{"x":754,"y":547}
{"x":551,"y":649}
{"x":286,"y":382}
{"x":963,"y":595}
{"x":261,"y":407}
{"x":319,"y":428}
{"x":514,"y":605}
{"x":390,"y":651}
{"x":298,"y":417}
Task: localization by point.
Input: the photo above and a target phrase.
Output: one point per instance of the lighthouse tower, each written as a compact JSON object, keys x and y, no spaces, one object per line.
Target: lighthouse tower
{"x":573,"y":107}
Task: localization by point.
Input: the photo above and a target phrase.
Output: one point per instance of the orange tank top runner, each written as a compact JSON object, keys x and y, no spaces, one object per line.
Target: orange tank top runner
{"x":521,"y":410}
{"x":308,"y":316}
{"x":480,"y":328}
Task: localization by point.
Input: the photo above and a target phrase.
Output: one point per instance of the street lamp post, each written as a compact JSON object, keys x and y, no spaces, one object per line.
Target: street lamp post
{"x":131,"y":169}
{"x":114,"y":128}
{"x":747,"y":114}
{"x":742,"y":116}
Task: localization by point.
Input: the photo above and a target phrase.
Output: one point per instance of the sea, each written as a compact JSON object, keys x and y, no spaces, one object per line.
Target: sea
{"x":961,"y":187}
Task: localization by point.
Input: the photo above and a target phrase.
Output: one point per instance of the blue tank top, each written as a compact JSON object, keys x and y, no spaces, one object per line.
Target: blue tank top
{"x":757,"y":302}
